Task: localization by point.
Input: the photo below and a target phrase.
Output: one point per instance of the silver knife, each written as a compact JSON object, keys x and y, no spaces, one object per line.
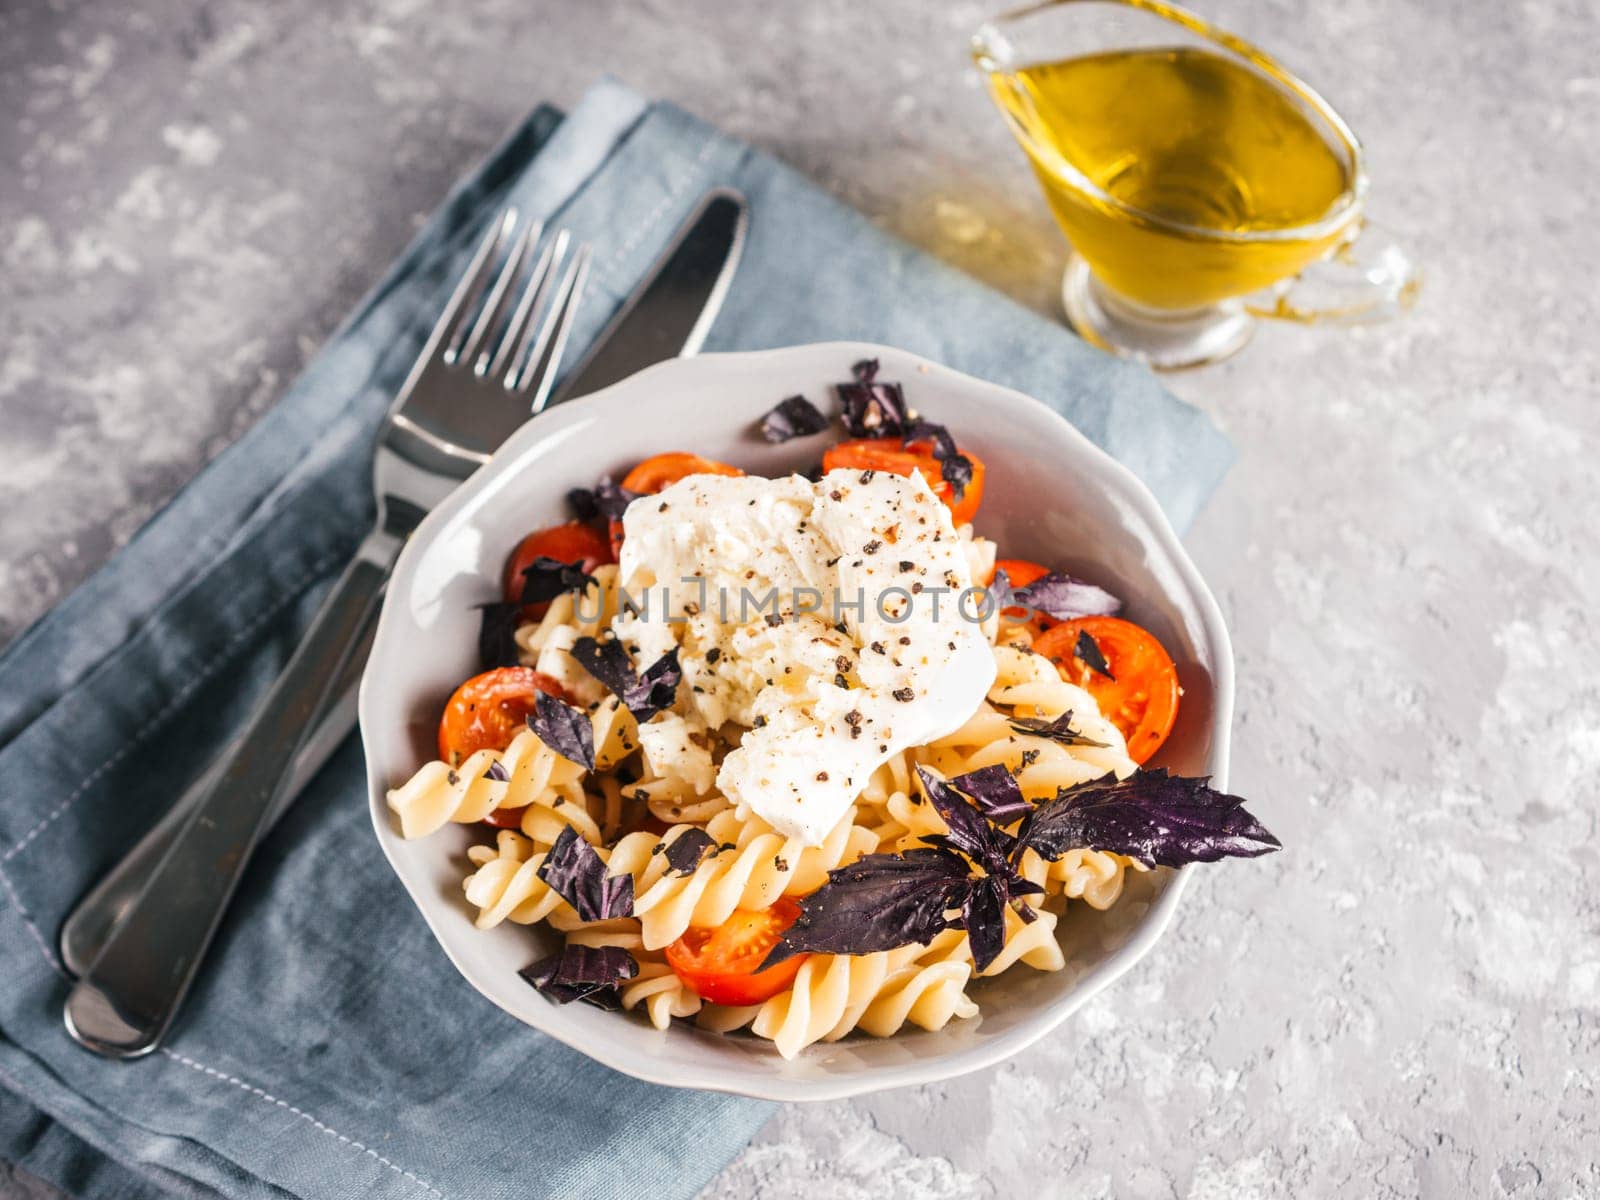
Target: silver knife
{"x":666,"y":316}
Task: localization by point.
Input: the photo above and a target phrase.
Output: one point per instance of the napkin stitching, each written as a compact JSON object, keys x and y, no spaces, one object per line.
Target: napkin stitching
{"x":650,"y":222}
{"x":27,"y":921}
{"x":303,"y":1115}
{"x":197,"y":678}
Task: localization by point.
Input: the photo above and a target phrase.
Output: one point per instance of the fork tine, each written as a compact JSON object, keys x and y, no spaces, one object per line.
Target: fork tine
{"x":484,"y":330}
{"x":536,"y":336}
{"x":572,"y":298}
{"x":465,"y":298}
{"x":508,"y":341}
{"x":532,"y":361}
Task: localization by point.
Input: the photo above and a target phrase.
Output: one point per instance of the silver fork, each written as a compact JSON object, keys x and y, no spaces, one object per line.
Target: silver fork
{"x":487,"y":367}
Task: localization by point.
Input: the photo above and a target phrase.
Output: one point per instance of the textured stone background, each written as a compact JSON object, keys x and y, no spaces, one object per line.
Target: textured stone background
{"x":1407,"y":1001}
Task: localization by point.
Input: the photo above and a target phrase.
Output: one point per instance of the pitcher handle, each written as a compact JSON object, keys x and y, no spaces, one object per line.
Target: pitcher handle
{"x":1368,"y":278}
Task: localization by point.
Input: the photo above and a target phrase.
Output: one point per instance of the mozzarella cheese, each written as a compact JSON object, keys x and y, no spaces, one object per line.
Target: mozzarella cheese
{"x":822,"y":621}
{"x":678,"y":749}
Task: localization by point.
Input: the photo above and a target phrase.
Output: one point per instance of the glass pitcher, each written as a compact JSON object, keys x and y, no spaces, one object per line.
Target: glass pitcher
{"x":1200,"y":184}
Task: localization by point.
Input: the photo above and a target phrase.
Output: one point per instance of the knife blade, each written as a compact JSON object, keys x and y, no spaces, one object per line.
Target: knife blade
{"x":667,"y":315}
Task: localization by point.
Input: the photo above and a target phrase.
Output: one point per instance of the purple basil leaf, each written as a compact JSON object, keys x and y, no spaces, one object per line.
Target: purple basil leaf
{"x":575,"y":872}
{"x":546,"y":578}
{"x":497,"y":771}
{"x":984,"y":917}
{"x":921,"y":430}
{"x":1058,"y":730}
{"x":607,"y":661}
{"x":592,"y":973}
{"x":688,"y":848}
{"x":566,"y":730}
{"x":1012,"y":885}
{"x":605,"y":499}
{"x":613,"y":499}
{"x":873,"y":409}
{"x":957,"y":472}
{"x":792,"y":418}
{"x":1088,"y":650}
{"x":657,"y":687}
{"x":1065,"y":598}
{"x":879,"y":902}
{"x":497,"y":630}
{"x":954,"y":467}
{"x":643,"y":695}
{"x":1160,"y":819}
{"x":970,"y":832}
{"x":996,"y":792}
{"x":1004,"y":595}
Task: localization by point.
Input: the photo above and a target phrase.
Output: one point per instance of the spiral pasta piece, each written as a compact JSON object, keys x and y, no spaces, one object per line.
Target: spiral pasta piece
{"x":607,"y":805}
{"x":616,"y":734}
{"x":834,"y":994}
{"x":656,"y":987}
{"x":929,"y":997}
{"x":506,"y":886}
{"x":1030,"y":686}
{"x":902,"y":821}
{"x":761,"y":866}
{"x":673,"y":799}
{"x":1031,"y":943}
{"x":896,"y":775}
{"x":1081,"y":874}
{"x":663,"y":995}
{"x":546,"y":644}
{"x":538,"y":779}
{"x":752,"y":876}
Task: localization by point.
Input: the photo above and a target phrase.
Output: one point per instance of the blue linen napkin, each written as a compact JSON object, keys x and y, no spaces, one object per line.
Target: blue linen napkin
{"x":330,"y":1049}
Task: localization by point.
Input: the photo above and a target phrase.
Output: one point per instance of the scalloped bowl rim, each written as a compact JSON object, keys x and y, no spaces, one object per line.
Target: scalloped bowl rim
{"x":925,"y":1066}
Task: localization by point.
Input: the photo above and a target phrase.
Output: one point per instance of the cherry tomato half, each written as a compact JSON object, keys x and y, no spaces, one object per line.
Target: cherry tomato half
{"x":662,"y":470}
{"x":887,"y":454}
{"x":574,"y":542}
{"x":505,"y":818}
{"x":488,"y":710}
{"x":720,"y":964}
{"x":1141,"y":699}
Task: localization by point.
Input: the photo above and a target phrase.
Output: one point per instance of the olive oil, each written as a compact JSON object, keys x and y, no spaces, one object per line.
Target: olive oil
{"x":1183,"y":176}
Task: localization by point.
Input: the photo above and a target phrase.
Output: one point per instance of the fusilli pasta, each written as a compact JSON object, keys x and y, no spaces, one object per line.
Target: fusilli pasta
{"x":665,"y":771}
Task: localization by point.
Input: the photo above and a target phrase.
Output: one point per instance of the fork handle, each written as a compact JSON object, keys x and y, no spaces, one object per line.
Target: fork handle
{"x":99,"y":910}
{"x":123,"y":1005}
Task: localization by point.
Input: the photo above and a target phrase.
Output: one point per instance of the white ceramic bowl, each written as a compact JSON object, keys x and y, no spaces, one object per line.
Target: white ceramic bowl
{"x":1050,"y":495}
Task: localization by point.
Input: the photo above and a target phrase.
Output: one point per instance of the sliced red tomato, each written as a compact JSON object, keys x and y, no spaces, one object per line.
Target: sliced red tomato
{"x":488,"y":710}
{"x":506,"y":818}
{"x":887,"y":454}
{"x":574,"y":542}
{"x":1141,"y":695}
{"x":720,"y":964}
{"x":1021,"y":571}
{"x":662,"y":470}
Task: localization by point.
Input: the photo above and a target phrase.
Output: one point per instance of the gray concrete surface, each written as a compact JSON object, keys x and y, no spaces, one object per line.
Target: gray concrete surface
{"x":1404,"y":1003}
